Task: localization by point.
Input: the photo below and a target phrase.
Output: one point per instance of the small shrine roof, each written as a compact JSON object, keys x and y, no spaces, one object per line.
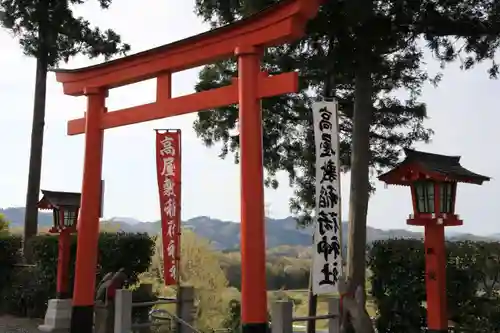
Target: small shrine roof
{"x":442,"y":165}
{"x":51,"y":199}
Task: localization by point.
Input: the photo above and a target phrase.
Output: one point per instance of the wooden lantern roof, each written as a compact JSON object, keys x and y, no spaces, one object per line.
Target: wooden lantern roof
{"x":422,"y":165}
{"x":56,"y":199}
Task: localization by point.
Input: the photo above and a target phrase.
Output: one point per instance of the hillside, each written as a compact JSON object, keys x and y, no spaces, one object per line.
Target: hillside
{"x":226,"y":234}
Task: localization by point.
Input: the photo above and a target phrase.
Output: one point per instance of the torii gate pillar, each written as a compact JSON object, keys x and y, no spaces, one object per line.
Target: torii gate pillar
{"x":253,"y":246}
{"x":86,"y":255}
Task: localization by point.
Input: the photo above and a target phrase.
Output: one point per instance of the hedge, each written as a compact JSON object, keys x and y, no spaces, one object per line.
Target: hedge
{"x":31,"y":287}
{"x":398,"y":285}
{"x":9,"y":256}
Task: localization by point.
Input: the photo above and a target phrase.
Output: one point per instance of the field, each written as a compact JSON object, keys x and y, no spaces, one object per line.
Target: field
{"x":216,"y":275}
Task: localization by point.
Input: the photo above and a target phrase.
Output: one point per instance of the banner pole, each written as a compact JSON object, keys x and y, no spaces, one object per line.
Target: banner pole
{"x":179,"y":231}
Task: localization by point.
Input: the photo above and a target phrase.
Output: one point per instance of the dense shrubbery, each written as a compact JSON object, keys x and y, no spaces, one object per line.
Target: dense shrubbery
{"x":9,"y":254}
{"x":4,"y":225}
{"x":398,"y":285}
{"x":31,"y":287}
{"x":396,"y":276}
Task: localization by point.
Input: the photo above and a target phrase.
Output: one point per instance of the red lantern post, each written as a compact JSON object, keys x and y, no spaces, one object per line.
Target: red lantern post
{"x":65,"y":207}
{"x":433,"y":181}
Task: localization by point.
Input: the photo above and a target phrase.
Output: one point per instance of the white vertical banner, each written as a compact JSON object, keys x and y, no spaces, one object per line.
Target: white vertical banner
{"x":327,"y":258}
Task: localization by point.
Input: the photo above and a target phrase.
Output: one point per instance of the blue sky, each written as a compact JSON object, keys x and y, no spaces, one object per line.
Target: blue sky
{"x":463,"y":111}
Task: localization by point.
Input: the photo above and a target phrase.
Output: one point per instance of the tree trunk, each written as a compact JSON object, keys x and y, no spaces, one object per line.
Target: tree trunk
{"x":312,"y":303}
{"x":359,"y":194}
{"x":35,"y":166}
{"x":312,"y":307}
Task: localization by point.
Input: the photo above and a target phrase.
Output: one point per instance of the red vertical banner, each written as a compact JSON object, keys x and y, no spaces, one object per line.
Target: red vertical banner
{"x":168,"y":167}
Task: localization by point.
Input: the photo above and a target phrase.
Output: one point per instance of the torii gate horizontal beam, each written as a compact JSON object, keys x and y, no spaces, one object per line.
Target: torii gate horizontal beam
{"x":278,"y":24}
{"x":168,"y":107}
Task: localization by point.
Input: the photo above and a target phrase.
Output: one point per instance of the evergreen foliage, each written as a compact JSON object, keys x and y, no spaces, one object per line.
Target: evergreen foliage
{"x":389,"y":43}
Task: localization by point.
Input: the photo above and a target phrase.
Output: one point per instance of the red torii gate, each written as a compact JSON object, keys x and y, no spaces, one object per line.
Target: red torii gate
{"x":246,"y":39}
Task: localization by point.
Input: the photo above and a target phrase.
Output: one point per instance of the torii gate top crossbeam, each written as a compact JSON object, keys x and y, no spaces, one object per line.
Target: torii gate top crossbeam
{"x":277,"y":24}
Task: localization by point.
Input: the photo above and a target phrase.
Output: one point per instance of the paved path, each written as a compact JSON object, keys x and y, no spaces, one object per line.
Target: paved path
{"x":10,"y":324}
{"x":302,"y":329}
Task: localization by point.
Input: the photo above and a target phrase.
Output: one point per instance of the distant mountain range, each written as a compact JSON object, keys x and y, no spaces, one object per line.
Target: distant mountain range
{"x":226,"y":234}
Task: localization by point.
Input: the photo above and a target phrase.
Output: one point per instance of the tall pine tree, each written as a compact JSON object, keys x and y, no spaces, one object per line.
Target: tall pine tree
{"x":48,"y":31}
{"x":361,"y":52}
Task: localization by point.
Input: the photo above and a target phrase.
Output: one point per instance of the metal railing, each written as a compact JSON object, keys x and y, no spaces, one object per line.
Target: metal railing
{"x":281,"y":314}
{"x":170,"y":317}
{"x":183,"y":319}
{"x":283,"y":319}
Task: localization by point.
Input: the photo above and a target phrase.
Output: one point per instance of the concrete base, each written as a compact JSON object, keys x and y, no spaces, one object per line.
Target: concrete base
{"x":57,"y":317}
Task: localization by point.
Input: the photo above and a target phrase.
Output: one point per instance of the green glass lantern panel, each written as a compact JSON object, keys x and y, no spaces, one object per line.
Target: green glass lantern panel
{"x":70,"y":217}
{"x":447,"y":191}
{"x":56,"y":215}
{"x":424,"y":196}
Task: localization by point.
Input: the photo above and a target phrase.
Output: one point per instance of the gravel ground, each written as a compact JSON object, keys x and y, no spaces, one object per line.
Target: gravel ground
{"x":10,"y":324}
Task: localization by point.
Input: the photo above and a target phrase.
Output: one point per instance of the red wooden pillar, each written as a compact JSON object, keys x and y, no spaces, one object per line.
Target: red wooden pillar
{"x":88,"y":228}
{"x":253,"y":255}
{"x":435,"y":278}
{"x":63,"y":264}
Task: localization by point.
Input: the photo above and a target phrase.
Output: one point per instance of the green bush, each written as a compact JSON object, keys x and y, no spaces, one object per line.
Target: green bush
{"x":131,"y":251}
{"x":233,"y":320}
{"x":28,"y":293}
{"x":9,"y":255}
{"x":476,"y":305}
{"x":4,"y":225}
{"x":32,"y":287}
{"x":398,"y":285}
